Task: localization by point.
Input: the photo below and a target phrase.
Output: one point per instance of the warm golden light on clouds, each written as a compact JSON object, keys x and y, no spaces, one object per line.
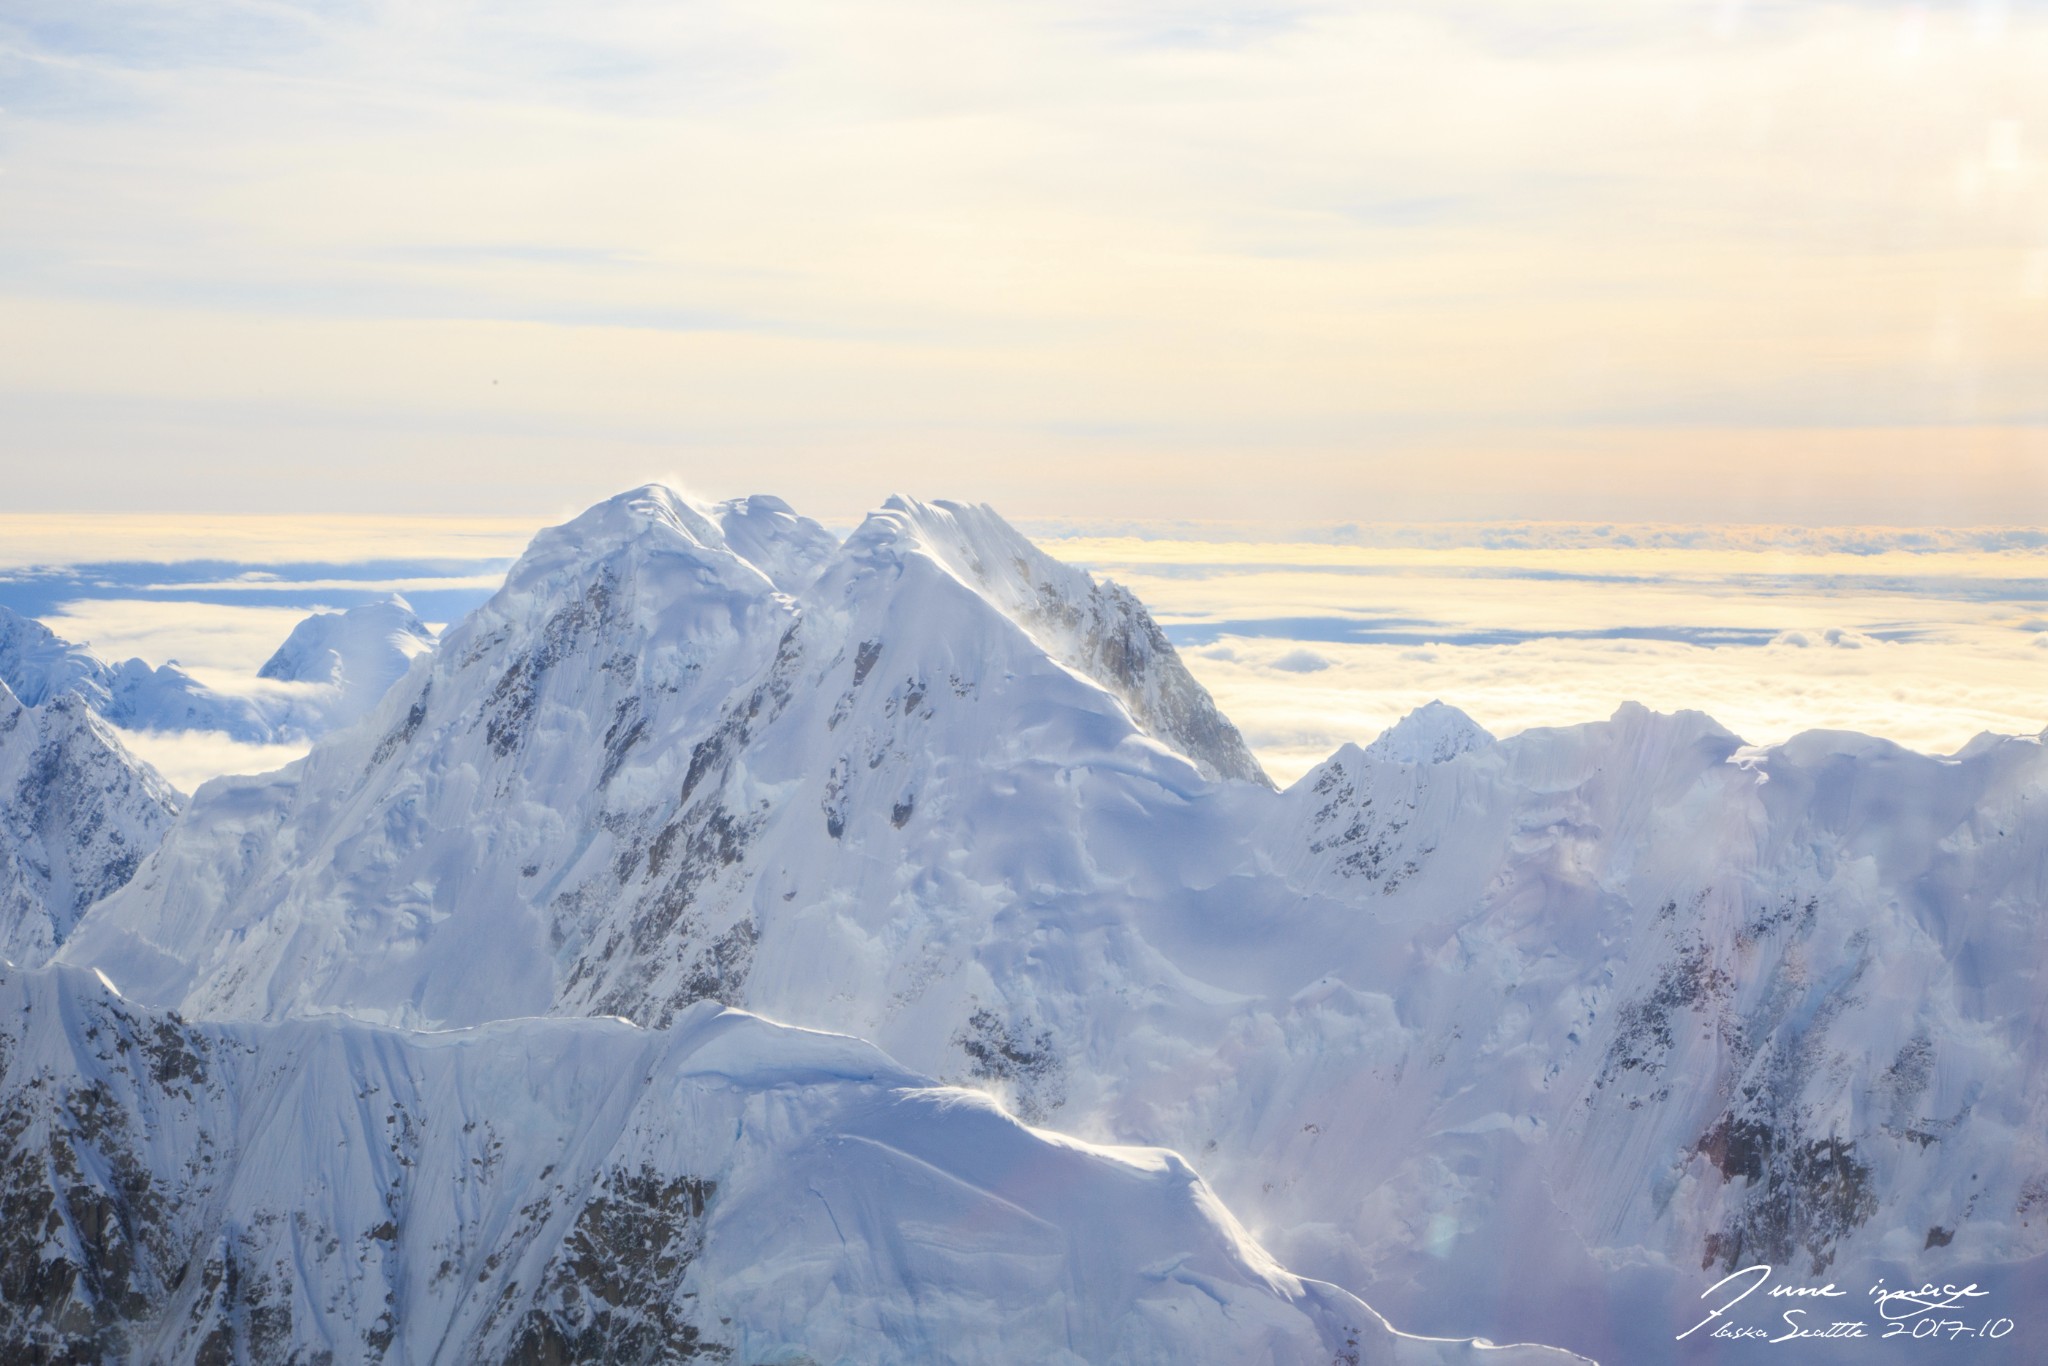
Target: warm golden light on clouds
{"x":1770,"y":630}
{"x":1656,"y":259}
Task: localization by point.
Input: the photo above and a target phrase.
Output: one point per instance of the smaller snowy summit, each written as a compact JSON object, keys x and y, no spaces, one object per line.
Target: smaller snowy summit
{"x":360,"y":653}
{"x":37,"y":665}
{"x":1433,"y":733}
{"x":78,"y":815}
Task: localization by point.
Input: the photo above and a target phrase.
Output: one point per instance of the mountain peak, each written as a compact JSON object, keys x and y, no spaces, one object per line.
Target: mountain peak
{"x":644,"y":508}
{"x":665,"y":535}
{"x":791,"y":549}
{"x":1099,"y":630}
{"x":1433,"y":733}
{"x":78,"y":814}
{"x":359,"y":654}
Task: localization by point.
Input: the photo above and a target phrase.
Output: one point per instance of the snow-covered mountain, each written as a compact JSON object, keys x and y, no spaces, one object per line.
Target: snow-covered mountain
{"x":78,"y":814}
{"x":38,"y":665}
{"x":354,"y":656}
{"x":335,"y":667}
{"x":573,"y":804}
{"x":1534,"y":1037}
{"x":563,"y":1190}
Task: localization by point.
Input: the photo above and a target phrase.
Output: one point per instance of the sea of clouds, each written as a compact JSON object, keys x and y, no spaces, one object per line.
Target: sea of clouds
{"x":1308,"y":636}
{"x":1924,"y":638}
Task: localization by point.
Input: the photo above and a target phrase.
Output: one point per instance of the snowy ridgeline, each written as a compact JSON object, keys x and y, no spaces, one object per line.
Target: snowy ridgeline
{"x":333,"y":668}
{"x":553,"y":1191}
{"x":1533,"y":1038}
{"x":78,"y":814}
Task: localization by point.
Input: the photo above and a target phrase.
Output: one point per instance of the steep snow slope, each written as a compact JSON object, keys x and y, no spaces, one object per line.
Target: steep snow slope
{"x":1535,"y":1037}
{"x":531,"y":1191}
{"x":78,"y":814}
{"x":1656,"y":1002}
{"x":1097,"y":629}
{"x":354,"y":656}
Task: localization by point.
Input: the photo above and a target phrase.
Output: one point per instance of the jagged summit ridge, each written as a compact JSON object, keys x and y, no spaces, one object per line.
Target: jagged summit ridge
{"x":1100,"y":630}
{"x":759,"y":533}
{"x":78,"y":814}
{"x":596,"y":790}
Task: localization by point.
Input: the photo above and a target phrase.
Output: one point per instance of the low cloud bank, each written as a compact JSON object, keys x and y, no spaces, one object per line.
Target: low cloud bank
{"x":190,"y":757}
{"x":1305,"y":652}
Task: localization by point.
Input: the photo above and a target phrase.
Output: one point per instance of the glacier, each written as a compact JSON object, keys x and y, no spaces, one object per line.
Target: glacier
{"x":1536,"y":1036}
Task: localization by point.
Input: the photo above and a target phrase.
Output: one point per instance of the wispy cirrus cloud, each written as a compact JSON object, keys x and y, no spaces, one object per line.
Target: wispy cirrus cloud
{"x":1605,"y":258}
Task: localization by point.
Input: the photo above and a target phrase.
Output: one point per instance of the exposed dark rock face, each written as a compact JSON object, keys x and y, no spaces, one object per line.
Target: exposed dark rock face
{"x":609,"y":1293}
{"x":1022,"y":1059}
{"x":1805,"y":1195}
{"x":78,"y":814}
{"x":1122,"y":647}
{"x":1363,"y":829}
{"x":149,"y":1212}
{"x":95,"y":1237}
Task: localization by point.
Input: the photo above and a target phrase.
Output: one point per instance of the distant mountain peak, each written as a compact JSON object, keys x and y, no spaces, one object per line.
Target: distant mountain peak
{"x":78,"y":815}
{"x":1433,"y":733}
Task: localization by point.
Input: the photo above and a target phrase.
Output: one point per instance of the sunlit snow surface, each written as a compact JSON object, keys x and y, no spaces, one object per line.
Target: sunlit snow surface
{"x":1525,"y":1036}
{"x":725,"y":1190}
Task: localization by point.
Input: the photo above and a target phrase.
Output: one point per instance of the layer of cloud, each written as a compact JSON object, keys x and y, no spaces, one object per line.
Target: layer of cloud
{"x":220,"y":646}
{"x":1922,"y":648}
{"x":1926,"y":641}
{"x":1928,"y":697}
{"x":188,"y":758}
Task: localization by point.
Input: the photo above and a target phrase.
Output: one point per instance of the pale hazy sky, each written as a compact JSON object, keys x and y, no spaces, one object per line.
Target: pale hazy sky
{"x":1582,"y":259}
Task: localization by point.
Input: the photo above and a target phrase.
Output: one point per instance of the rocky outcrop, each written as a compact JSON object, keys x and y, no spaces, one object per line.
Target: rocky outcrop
{"x":78,"y":814}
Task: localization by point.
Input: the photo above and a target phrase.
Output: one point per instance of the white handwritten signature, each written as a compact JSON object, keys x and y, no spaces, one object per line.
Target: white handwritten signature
{"x":1900,"y":1312}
